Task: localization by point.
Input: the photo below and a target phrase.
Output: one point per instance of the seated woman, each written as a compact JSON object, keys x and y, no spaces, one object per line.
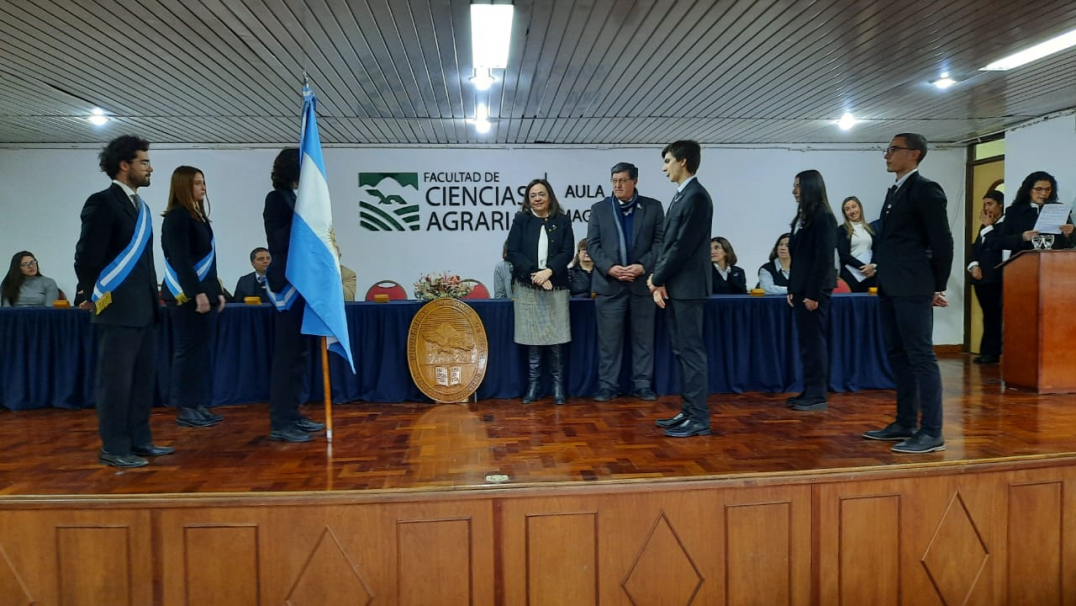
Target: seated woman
{"x":580,"y":271}
{"x":502,"y":276}
{"x":729,"y":279}
{"x":855,"y":247}
{"x":24,"y":286}
{"x":773,"y":276}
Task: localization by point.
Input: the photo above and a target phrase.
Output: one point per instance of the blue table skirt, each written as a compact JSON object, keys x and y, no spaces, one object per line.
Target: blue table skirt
{"x":47,"y":355}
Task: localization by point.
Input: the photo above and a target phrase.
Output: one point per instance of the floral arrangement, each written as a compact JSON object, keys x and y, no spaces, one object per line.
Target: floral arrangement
{"x":438,"y":286}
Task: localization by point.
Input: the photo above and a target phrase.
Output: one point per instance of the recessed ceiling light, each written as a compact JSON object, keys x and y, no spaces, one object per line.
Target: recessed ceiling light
{"x":847,"y":121}
{"x":482,"y":79}
{"x":481,"y":119}
{"x":1051,"y":46}
{"x":491,"y":33}
{"x":944,"y":81}
{"x":97,"y":117}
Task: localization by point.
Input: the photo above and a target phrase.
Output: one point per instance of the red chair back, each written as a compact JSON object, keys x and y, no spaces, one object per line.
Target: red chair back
{"x":393,"y":290}
{"x":479,"y":290}
{"x":842,"y":287}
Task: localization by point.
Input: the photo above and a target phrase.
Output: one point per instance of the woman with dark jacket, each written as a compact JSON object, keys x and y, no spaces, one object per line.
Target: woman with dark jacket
{"x":986,"y":278}
{"x":811,"y":283}
{"x":1018,"y":229}
{"x":855,"y":247}
{"x":773,"y":275}
{"x":540,"y":246}
{"x":580,"y":271}
{"x":728,"y":278}
{"x":193,"y":296}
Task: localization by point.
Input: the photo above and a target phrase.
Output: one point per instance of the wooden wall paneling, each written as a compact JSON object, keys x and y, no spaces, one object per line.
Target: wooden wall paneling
{"x":1041,"y":517}
{"x":440,"y":552}
{"x":742,"y":546}
{"x":950,"y":536}
{"x":70,"y":558}
{"x":220,"y":565}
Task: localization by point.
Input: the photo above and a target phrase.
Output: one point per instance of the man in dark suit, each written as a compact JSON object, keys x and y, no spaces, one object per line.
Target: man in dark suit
{"x":914,"y":257}
{"x":253,"y":284}
{"x":624,"y":238}
{"x":986,"y":278}
{"x":114,"y":264}
{"x":682,"y":277}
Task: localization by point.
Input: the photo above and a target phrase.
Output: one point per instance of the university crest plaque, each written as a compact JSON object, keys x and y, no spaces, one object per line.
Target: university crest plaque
{"x":447,"y":350}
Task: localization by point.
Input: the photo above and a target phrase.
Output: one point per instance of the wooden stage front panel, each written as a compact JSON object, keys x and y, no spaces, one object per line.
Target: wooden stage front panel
{"x":781,"y":508}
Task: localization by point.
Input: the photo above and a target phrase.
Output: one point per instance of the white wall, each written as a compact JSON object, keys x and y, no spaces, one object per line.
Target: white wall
{"x":44,"y":190}
{"x":1049,"y":145}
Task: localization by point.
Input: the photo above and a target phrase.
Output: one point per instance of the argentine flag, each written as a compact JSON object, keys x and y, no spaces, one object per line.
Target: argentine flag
{"x":313,"y":266}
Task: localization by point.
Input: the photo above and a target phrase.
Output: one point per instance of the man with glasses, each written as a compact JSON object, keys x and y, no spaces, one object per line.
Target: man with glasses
{"x":623,"y":239}
{"x":114,"y":264}
{"x":914,"y":257}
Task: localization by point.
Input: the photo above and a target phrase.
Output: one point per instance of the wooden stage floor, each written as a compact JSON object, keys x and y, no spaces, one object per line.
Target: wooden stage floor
{"x":502,"y":443}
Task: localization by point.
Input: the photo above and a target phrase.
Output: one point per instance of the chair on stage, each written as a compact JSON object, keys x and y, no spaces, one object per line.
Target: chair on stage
{"x":842,"y":287}
{"x":478,"y":290}
{"x":391,"y":291}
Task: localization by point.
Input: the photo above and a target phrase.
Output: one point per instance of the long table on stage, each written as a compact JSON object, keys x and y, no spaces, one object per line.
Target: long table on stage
{"x":49,"y":355}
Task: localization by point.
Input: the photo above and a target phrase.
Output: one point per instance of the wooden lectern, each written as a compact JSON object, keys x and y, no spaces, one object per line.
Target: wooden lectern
{"x":1040,"y":321}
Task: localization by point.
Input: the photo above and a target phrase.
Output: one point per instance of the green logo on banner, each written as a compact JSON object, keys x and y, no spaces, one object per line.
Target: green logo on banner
{"x":384,"y":205}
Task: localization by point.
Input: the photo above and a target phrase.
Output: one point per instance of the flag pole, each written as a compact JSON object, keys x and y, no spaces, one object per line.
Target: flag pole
{"x":328,"y":391}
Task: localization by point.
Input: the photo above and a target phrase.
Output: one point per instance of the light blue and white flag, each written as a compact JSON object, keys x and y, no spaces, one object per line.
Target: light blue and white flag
{"x":313,"y":265}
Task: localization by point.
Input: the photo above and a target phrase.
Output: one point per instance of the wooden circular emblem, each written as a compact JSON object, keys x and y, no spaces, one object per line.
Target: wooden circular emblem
{"x":447,"y":350}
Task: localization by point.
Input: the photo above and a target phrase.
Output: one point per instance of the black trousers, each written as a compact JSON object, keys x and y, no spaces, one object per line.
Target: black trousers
{"x":907,"y":327}
{"x":625,"y":311}
{"x":290,"y":351}
{"x":123,"y":389}
{"x":684,"y":319}
{"x":193,"y":336}
{"x":990,"y":297}
{"x":812,"y":327}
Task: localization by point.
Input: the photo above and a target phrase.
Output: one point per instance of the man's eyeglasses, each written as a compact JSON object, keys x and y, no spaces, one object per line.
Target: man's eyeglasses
{"x":621,"y":181}
{"x":142,"y":163}
{"x":29,"y":264}
{"x":889,"y":151}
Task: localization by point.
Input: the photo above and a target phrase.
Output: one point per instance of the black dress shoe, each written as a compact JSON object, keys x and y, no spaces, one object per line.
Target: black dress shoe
{"x":891,"y":432}
{"x":604,"y":395}
{"x":687,"y":429}
{"x":190,"y":417}
{"x":793,"y":400}
{"x":985,"y":359}
{"x":152,"y":450}
{"x":202,"y":410}
{"x":920,"y":443}
{"x":122,"y":461}
{"x":306,"y":424}
{"x":645,"y":394}
{"x":671,"y":421}
{"x":290,"y":434}
{"x":805,"y":404}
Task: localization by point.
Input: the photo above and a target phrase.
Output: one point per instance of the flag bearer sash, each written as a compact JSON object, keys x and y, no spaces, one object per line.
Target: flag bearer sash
{"x":113,"y":275}
{"x":171,"y":280}
{"x":284,"y":300}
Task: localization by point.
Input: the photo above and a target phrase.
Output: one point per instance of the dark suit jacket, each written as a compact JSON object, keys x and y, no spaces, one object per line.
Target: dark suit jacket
{"x":185,"y":242}
{"x":811,"y":248}
{"x":736,"y":284}
{"x":1018,"y":219}
{"x":603,"y":243}
{"x":248,"y":286}
{"x":108,"y":223}
{"x":683,"y":267}
{"x":987,"y":254}
{"x":914,"y":248}
{"x":523,"y":247}
{"x":279,"y":208}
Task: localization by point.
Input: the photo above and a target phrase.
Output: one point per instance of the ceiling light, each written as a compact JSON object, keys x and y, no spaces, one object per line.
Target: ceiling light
{"x":481,"y":119}
{"x":1051,"y":46}
{"x":847,"y":121}
{"x":97,"y":117}
{"x":491,"y":32}
{"x":482,"y":79}
{"x":944,"y":81}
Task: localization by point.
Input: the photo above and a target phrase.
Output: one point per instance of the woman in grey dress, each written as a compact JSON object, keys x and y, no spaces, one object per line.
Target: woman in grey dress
{"x":24,"y":286}
{"x":540,"y":246}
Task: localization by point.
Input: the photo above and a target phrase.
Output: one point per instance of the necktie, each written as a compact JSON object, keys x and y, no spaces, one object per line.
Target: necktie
{"x":676,"y":198}
{"x":137,"y":201}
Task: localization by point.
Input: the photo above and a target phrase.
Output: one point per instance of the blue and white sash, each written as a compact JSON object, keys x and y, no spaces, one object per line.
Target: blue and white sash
{"x":201,"y":268}
{"x":284,"y":300}
{"x":113,"y":275}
